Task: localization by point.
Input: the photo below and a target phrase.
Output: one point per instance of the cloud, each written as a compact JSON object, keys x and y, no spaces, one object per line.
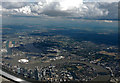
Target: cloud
{"x":101,"y":1}
{"x":15,"y":0}
{"x":59,"y":0}
{"x":64,"y":8}
{"x":10,"y":5}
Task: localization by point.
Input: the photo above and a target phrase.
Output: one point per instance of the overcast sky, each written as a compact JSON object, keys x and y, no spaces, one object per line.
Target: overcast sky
{"x":75,"y":9}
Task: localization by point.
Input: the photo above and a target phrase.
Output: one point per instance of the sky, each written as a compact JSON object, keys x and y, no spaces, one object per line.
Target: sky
{"x":73,"y":9}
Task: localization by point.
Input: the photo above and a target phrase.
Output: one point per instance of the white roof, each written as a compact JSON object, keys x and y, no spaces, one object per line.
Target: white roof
{"x":23,"y":60}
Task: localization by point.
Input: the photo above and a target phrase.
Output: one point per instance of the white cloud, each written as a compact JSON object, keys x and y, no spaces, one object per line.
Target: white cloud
{"x":65,"y":8}
{"x":25,"y":10}
{"x":101,"y":0}
{"x":59,"y":0}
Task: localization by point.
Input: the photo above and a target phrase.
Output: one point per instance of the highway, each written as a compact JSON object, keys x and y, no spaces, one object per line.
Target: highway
{"x":13,"y":78}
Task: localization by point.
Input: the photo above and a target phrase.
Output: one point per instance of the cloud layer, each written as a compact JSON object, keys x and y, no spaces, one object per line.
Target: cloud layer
{"x":63,"y":8}
{"x":49,"y":0}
